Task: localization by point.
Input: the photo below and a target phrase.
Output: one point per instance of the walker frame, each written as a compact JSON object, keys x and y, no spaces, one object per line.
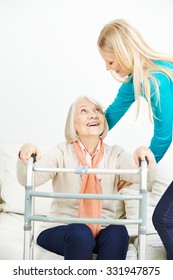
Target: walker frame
{"x":30,"y":193}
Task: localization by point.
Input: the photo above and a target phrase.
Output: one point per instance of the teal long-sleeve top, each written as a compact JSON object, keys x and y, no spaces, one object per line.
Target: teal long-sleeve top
{"x":162,"y":110}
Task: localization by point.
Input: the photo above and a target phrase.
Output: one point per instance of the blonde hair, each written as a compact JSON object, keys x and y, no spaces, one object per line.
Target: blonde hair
{"x":135,"y":56}
{"x":70,"y":131}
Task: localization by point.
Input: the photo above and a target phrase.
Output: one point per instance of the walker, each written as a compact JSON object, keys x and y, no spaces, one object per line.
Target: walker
{"x":30,"y":193}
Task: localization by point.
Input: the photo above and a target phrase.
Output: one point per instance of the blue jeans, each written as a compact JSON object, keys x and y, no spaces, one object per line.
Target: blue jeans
{"x":163,"y":220}
{"x":76,"y":242}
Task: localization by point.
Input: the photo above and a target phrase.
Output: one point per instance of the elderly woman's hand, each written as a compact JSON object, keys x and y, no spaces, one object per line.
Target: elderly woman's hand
{"x":144,"y":153}
{"x":27,"y":150}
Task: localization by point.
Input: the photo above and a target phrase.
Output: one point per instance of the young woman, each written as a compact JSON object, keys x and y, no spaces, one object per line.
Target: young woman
{"x":142,"y":72}
{"x":147,"y":73}
{"x":86,"y":127}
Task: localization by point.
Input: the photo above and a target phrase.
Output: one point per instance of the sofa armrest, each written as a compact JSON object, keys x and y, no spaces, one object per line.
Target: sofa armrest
{"x":0,"y":195}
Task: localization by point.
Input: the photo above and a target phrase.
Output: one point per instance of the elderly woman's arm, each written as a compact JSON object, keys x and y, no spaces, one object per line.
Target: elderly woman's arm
{"x":49,"y":160}
{"x":127,"y":161}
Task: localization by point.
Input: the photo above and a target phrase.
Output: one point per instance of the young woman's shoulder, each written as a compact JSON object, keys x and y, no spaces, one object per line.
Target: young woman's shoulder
{"x":164,"y":63}
{"x":164,"y":80}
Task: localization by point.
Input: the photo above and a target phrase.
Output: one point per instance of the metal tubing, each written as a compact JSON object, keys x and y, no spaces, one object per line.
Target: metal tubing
{"x":142,"y":229}
{"x":28,"y":211}
{"x":85,"y":220}
{"x":85,"y":196}
{"x":85,"y":170}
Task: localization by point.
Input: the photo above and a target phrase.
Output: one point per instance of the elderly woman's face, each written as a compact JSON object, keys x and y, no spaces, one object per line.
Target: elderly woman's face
{"x":89,"y":119}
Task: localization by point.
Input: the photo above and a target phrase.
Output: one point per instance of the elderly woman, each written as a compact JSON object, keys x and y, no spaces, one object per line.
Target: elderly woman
{"x":86,"y":127}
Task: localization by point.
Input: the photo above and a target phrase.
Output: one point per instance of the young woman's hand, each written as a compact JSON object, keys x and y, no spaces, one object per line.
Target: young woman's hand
{"x":144,"y":153}
{"x":27,"y":150}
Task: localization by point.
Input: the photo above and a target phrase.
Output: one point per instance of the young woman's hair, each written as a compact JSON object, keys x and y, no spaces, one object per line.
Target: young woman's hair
{"x":70,"y":130}
{"x":135,"y":56}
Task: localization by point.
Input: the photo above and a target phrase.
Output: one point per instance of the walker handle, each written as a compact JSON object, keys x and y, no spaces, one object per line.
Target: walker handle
{"x":34,"y":157}
{"x":141,"y":160}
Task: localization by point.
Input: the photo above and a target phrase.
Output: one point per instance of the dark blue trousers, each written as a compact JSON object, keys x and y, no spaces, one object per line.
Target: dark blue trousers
{"x":76,"y":242}
{"x":163,"y":220}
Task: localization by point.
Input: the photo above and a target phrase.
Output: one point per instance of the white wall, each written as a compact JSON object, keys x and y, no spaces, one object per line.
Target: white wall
{"x":49,"y":57}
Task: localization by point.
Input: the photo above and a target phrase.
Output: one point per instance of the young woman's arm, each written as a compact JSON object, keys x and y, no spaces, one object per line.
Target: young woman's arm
{"x":120,"y":105}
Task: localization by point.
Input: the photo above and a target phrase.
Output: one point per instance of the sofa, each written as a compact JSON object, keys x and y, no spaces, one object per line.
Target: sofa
{"x":12,"y":196}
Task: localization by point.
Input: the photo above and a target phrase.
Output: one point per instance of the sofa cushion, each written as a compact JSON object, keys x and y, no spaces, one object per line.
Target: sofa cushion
{"x":154,"y":249}
{"x":11,"y":236}
{"x":12,"y":193}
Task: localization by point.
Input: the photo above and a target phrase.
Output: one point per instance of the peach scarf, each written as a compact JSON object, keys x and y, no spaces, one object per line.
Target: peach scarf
{"x":90,"y":208}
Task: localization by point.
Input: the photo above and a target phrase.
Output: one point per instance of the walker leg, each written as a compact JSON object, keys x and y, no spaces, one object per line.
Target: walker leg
{"x":28,"y":236}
